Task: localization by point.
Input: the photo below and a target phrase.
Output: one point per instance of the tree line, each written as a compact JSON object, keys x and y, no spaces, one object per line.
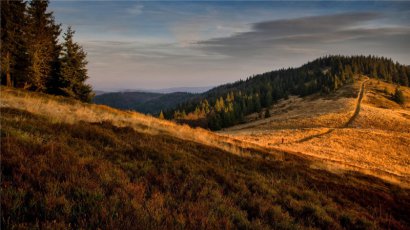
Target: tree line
{"x":228,"y":104}
{"x":32,"y":57}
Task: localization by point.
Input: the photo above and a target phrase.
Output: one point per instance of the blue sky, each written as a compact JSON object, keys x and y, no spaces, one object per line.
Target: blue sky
{"x":153,"y":44}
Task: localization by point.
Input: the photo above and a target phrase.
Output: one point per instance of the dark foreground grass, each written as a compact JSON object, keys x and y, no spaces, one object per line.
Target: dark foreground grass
{"x":61,"y":176}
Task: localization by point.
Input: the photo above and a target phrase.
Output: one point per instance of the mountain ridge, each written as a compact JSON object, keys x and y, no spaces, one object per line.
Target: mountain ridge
{"x":228,"y":104}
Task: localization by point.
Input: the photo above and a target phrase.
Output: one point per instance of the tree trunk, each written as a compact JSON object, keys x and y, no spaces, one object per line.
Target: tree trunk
{"x":9,"y":83}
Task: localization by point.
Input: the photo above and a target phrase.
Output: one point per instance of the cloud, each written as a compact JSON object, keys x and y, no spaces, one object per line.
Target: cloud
{"x":135,"y":10}
{"x":306,"y":33}
{"x":151,"y":61}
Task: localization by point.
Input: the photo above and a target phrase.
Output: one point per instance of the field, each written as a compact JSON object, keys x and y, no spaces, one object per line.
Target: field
{"x":69,"y":165}
{"x":374,"y":142}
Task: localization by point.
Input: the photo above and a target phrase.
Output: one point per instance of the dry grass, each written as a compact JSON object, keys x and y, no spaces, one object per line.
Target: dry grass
{"x":63,"y":110}
{"x":308,"y":112}
{"x":376,"y":143}
{"x":71,"y":165}
{"x":99,"y":176}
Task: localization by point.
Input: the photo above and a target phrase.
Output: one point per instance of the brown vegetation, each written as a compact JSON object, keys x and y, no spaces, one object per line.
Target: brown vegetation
{"x":71,"y":165}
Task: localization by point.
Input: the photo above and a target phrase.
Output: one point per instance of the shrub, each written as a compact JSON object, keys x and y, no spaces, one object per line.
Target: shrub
{"x":398,"y":96}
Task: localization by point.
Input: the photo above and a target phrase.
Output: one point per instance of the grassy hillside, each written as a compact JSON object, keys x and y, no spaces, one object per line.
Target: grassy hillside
{"x":71,"y":165}
{"x":375,"y":141}
{"x":143,"y":102}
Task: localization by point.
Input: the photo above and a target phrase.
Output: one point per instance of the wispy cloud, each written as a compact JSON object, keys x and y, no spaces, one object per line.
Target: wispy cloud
{"x":136,"y":9}
{"x":271,"y":36}
{"x":163,"y":44}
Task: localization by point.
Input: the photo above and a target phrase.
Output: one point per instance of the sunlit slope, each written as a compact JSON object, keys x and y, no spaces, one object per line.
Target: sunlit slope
{"x":375,"y":141}
{"x":71,"y":165}
{"x":60,"y":109}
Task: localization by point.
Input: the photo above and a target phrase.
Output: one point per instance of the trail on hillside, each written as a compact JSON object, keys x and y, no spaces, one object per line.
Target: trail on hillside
{"x":359,"y":102}
{"x":348,"y":123}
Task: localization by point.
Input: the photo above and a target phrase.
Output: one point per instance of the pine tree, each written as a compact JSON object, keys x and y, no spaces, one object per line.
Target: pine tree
{"x":161,"y":115}
{"x":43,"y":49}
{"x":257,"y":103}
{"x":267,"y":113}
{"x":14,"y":57}
{"x":404,"y":80}
{"x":268,"y":99}
{"x":73,"y":70}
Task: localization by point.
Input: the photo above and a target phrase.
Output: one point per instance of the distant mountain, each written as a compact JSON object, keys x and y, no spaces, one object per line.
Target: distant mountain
{"x":180,"y":89}
{"x":163,"y":90}
{"x":99,"y":92}
{"x":144,"y":102}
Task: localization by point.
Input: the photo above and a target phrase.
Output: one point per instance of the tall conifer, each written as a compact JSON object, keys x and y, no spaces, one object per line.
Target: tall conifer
{"x":73,"y":69}
{"x":13,"y":43}
{"x":43,"y":49}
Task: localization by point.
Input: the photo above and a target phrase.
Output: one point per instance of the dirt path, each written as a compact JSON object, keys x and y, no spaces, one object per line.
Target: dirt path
{"x":359,"y":102}
{"x":348,"y":123}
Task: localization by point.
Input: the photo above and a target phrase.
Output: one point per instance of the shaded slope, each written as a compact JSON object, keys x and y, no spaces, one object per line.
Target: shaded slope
{"x":93,"y":175}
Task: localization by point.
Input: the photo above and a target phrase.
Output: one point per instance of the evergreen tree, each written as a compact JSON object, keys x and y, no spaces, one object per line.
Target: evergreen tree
{"x":404,"y":80}
{"x":257,"y":103}
{"x":161,"y":115}
{"x":73,"y":70}
{"x":43,"y":49}
{"x":267,"y":113}
{"x":398,"y":96}
{"x":14,"y":57}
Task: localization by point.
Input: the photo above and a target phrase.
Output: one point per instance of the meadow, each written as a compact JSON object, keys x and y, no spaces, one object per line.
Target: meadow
{"x":375,"y":142}
{"x":69,"y":165}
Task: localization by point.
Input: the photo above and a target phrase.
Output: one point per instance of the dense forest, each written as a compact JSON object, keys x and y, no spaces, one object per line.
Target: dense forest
{"x":32,"y":56}
{"x":228,"y":104}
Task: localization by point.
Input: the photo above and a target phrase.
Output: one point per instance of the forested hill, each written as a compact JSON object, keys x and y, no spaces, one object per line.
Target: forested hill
{"x":227,"y":105}
{"x":144,"y":102}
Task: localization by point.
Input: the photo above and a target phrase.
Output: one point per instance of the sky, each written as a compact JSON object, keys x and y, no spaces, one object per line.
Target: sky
{"x":165,"y":44}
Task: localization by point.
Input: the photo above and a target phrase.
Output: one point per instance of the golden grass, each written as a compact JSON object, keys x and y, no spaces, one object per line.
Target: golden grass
{"x":63,"y":110}
{"x":376,"y":142}
{"x":118,"y":178}
{"x":308,"y":112}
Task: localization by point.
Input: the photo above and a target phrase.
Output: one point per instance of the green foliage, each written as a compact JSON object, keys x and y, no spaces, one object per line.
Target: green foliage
{"x":97,"y":176}
{"x":30,"y":52}
{"x":43,"y":49}
{"x":73,"y":70}
{"x":398,"y":96}
{"x":14,"y":58}
{"x":231,"y":102}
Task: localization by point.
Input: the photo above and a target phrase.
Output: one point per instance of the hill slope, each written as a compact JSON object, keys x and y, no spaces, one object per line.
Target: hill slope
{"x":71,"y":165}
{"x":227,"y":105}
{"x":370,"y":132}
